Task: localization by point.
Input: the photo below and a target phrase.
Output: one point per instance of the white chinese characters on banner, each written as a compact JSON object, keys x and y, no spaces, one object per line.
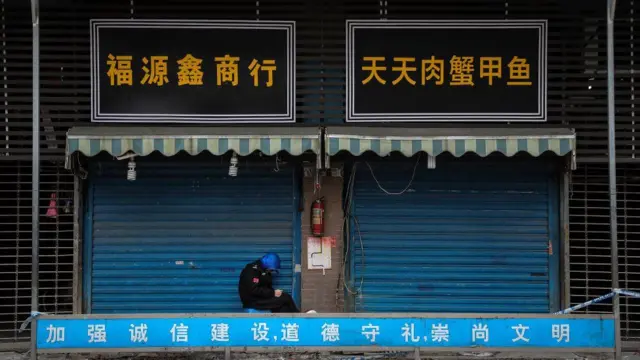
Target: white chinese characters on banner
{"x":179,"y":333}
{"x":520,"y":333}
{"x":480,"y":332}
{"x":440,"y":333}
{"x":370,"y":332}
{"x":290,"y":332}
{"x":220,"y":332}
{"x":138,"y":333}
{"x":409,"y":333}
{"x":415,"y":333}
{"x":561,"y":332}
{"x":97,"y":333}
{"x":55,"y":334}
{"x":330,"y":332}
{"x":260,"y":332}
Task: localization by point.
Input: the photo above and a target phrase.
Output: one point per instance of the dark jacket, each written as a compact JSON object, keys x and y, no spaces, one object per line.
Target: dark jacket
{"x":255,"y":285}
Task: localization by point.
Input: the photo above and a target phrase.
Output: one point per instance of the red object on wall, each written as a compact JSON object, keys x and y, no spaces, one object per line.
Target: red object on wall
{"x":52,"y":211}
{"x":317,"y":217}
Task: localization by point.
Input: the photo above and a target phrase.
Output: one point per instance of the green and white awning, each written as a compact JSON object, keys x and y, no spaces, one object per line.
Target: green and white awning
{"x":119,"y":140}
{"x":435,"y":141}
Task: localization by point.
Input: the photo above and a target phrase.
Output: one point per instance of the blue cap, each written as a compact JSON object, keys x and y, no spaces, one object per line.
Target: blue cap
{"x":270,"y":262}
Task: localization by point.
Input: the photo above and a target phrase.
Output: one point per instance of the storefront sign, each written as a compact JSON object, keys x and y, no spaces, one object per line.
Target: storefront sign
{"x":192,"y":71}
{"x":268,"y":331}
{"x":446,"y":71}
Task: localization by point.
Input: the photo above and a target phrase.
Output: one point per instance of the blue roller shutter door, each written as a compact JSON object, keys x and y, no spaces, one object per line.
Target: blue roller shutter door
{"x":176,"y":239}
{"x":463,"y":238}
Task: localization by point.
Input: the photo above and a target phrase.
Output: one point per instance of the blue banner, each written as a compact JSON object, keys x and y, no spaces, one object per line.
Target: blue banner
{"x":312,"y":331}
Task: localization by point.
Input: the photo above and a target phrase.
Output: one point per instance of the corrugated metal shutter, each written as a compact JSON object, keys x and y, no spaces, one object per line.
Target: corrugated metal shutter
{"x":462,"y":238}
{"x":176,"y":239}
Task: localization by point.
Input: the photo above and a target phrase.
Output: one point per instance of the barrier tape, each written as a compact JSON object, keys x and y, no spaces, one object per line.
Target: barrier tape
{"x":598,"y":300}
{"x":585,"y":304}
{"x":628,"y":293}
{"x":25,"y":324}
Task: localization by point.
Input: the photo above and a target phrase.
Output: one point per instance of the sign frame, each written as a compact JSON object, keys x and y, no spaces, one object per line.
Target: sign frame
{"x":539,"y":116}
{"x":288,"y":117}
{"x":598,"y":338}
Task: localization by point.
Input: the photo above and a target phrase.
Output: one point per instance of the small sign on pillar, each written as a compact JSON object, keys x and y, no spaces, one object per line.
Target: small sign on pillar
{"x":319,"y":252}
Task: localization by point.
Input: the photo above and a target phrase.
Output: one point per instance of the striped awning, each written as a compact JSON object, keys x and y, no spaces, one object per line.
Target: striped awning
{"x":119,"y":140}
{"x":435,"y":141}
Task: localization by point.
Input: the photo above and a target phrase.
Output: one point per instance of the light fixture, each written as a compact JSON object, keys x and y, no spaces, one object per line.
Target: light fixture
{"x":233,"y":165}
{"x":131,"y":173}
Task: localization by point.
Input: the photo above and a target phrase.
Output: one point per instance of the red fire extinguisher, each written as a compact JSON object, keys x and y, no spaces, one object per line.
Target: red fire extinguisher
{"x":317,"y":217}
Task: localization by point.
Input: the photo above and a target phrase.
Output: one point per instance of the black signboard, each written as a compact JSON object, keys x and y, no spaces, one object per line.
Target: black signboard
{"x":446,"y":71}
{"x":192,"y":71}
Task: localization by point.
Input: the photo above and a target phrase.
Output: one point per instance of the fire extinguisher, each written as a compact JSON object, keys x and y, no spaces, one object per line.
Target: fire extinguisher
{"x":317,"y":217}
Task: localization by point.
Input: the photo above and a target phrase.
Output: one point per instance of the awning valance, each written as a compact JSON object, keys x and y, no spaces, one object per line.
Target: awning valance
{"x":457,"y":141}
{"x":118,"y":140}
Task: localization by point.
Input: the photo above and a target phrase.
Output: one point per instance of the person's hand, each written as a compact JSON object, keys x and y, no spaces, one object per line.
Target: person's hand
{"x":278,"y":293}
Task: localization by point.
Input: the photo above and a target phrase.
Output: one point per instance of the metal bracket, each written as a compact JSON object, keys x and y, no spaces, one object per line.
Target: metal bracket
{"x":431,"y":162}
{"x":308,"y":171}
{"x":612,"y":9}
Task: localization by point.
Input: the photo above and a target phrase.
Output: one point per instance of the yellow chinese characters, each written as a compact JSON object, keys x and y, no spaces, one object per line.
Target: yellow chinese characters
{"x":433,"y":69}
{"x":461,"y":70}
{"x":373,"y":69}
{"x":189,"y":71}
{"x":404,"y":69}
{"x":268,"y":66}
{"x":490,"y":67}
{"x":157,"y":71}
{"x":227,"y":70}
{"x":120,"y":72}
{"x":519,"y":72}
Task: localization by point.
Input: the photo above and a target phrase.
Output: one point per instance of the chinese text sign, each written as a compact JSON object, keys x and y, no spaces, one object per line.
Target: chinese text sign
{"x":446,"y":71}
{"x":130,"y":333}
{"x":201,"y":71}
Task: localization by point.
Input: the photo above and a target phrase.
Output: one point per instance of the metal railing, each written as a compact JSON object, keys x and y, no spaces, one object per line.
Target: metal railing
{"x":56,"y":245}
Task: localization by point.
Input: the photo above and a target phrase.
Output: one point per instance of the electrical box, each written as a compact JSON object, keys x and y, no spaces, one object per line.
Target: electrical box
{"x":319,"y":252}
